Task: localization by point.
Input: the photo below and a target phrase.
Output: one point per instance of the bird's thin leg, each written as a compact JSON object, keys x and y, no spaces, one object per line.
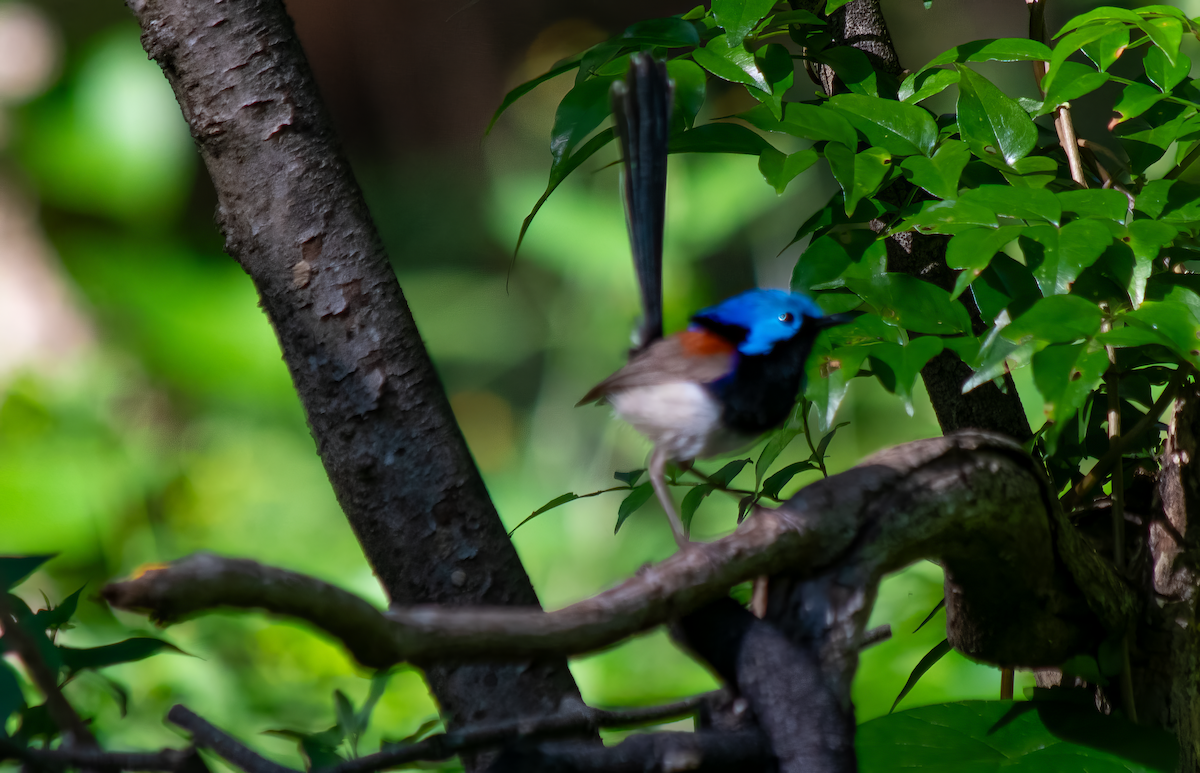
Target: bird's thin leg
{"x":658,"y":467}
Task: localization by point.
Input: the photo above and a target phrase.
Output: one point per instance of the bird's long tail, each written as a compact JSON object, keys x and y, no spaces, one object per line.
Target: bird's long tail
{"x":642,"y":106}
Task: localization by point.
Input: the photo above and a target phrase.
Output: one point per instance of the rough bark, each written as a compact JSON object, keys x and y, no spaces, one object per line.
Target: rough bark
{"x":295,"y":220}
{"x":1167,"y":663}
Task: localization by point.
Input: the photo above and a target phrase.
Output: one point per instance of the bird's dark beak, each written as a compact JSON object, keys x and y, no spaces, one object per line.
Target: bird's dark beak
{"x":833,"y":320}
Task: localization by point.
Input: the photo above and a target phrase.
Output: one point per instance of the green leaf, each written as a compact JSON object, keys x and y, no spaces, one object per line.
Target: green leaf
{"x":629,"y":478}
{"x":1058,"y":319}
{"x":779,"y":441}
{"x":826,"y":439}
{"x":899,"y":128}
{"x":558,"y":501}
{"x":582,"y":110}
{"x":731,"y":62}
{"x":669,"y":32}
{"x":14,"y":569}
{"x":1174,"y":325}
{"x":1064,"y":252}
{"x":972,"y":250}
{"x":12,"y":699}
{"x":638,"y":497}
{"x":828,"y":374}
{"x":995,"y":50}
{"x":51,"y":618}
{"x":126,"y":651}
{"x":1066,"y":375}
{"x":1095,"y":202}
{"x":1145,"y":238}
{"x":1163,"y":73}
{"x":949,"y":217}
{"x":724,"y":476}
{"x":691,"y":502}
{"x":854,"y":70}
{"x":719,"y":138}
{"x":1072,"y":82}
{"x":777,"y":67}
{"x":817,"y":123}
{"x":1107,"y":49}
{"x":940,"y":173}
{"x":1001,"y":735}
{"x":778,"y":480}
{"x":859,"y":174}
{"x":1154,"y":197}
{"x":927,"y":662}
{"x":690,"y":88}
{"x":738,"y":17}
{"x":347,"y":719}
{"x":379,"y":683}
{"x":559,"y":172}
{"x":1135,"y":99}
{"x":913,"y":304}
{"x":1023,"y":204}
{"x":925,"y":84}
{"x":798,"y":16}
{"x":1166,"y":33}
{"x":904,"y":363}
{"x":1031,"y":172}
{"x":1098,"y":17}
{"x":779,"y":169}
{"x":938,"y":607}
{"x":1071,"y":43}
{"x":991,"y":123}
{"x":563,"y":67}
{"x":831,"y":258}
{"x":1004,"y":285}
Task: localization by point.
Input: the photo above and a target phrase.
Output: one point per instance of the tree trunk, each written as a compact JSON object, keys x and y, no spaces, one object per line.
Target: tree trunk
{"x":295,"y":220}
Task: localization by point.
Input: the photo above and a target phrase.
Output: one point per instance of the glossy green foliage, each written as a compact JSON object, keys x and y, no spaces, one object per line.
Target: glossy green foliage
{"x":64,"y":663}
{"x":1075,"y":280}
{"x":1041,"y":735}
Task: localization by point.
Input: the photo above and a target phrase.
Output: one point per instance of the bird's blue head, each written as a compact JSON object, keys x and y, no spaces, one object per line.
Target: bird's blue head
{"x":766,"y":317}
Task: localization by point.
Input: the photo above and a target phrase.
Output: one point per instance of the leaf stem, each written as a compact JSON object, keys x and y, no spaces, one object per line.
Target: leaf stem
{"x":808,"y":436}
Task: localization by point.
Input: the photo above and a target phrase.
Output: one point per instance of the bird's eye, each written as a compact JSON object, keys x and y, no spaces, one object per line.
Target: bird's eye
{"x":786,"y":317}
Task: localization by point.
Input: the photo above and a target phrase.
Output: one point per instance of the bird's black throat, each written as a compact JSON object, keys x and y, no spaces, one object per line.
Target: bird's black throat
{"x":760,"y":392}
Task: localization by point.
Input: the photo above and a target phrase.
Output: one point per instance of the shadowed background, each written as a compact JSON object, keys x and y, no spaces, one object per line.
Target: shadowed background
{"x":145,"y":412}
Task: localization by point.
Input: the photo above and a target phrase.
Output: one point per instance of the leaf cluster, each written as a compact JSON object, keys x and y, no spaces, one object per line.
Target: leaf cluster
{"x":1073,"y":278}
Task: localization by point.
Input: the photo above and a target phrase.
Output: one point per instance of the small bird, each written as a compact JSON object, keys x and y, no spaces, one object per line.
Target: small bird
{"x":736,"y":371}
{"x":732,"y":375}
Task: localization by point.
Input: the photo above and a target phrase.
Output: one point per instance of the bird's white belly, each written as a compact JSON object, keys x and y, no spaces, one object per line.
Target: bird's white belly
{"x":682,"y":417}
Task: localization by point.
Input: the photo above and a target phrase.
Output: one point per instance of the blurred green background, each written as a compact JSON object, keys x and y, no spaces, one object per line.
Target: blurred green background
{"x":145,"y":412}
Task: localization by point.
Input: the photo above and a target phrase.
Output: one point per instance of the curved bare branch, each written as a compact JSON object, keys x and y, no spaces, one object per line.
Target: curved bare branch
{"x":966,"y":500}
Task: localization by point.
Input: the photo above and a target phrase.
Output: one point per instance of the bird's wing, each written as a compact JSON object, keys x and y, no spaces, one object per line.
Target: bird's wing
{"x":698,"y":356}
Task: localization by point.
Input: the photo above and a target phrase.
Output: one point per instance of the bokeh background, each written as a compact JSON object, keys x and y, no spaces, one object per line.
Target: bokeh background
{"x":145,"y":412}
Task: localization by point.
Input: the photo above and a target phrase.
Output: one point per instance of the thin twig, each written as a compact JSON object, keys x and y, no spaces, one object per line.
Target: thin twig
{"x":98,"y":759}
{"x":1112,"y":385}
{"x":1063,"y":124}
{"x":1072,"y":498}
{"x":225,"y":746}
{"x":1070,"y":144}
{"x":582,"y":720}
{"x":60,"y":711}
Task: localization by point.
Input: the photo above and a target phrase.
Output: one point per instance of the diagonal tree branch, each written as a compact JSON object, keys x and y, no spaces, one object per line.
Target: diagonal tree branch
{"x":295,"y":220}
{"x":963,"y":499}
